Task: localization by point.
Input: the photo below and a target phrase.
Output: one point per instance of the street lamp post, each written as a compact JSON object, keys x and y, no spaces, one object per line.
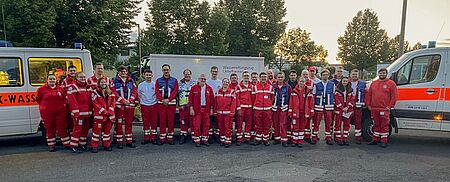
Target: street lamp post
{"x":402,"y":29}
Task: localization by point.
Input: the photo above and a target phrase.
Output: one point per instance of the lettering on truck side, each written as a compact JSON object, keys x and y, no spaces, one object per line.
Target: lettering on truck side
{"x":17,"y":99}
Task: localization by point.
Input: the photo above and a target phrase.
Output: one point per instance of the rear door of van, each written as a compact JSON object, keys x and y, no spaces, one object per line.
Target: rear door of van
{"x":14,"y":96}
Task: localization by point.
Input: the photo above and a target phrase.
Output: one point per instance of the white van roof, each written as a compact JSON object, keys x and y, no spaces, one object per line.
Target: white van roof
{"x":29,"y":49}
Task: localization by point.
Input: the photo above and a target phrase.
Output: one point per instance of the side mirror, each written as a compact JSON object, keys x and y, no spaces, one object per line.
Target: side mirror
{"x":394,"y":76}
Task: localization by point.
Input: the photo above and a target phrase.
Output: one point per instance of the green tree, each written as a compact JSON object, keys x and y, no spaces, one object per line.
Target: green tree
{"x":297,"y":47}
{"x":416,"y":46}
{"x":215,"y":37}
{"x":394,"y":45}
{"x":364,"y":43}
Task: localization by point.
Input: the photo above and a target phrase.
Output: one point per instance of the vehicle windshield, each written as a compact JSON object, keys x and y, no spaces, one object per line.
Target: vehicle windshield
{"x":393,"y":65}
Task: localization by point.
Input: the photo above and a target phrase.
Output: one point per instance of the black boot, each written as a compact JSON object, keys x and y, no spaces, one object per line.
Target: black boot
{"x":276,"y":142}
{"x":284,"y":144}
{"x":299,"y":145}
{"x":171,"y":143}
{"x":313,"y":142}
{"x":238,"y":143}
{"x":131,"y":145}
{"x":308,"y":140}
{"x":373,"y":142}
{"x":84,"y":148}
{"x":119,"y":145}
{"x":267,"y":143}
{"x":211,"y":139}
{"x":94,"y":150}
{"x":293,"y":144}
{"x":340,"y":143}
{"x":51,"y":149}
{"x":346,"y":143}
{"x":107,"y":148}
{"x":145,"y":142}
{"x":358,"y":142}
{"x":76,"y":150}
{"x":330,"y":142}
{"x":182,"y":139}
{"x":383,"y":145}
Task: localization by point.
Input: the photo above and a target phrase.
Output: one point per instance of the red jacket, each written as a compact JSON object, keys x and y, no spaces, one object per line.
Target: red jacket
{"x":103,"y":106}
{"x":195,"y":98}
{"x":225,"y":102}
{"x":263,"y":96}
{"x":382,"y":95}
{"x":309,"y":83}
{"x":301,"y":102}
{"x":80,"y":102}
{"x":244,"y":96}
{"x":67,"y":82}
{"x":92,"y":82}
{"x":342,"y":100}
{"x":51,"y":100}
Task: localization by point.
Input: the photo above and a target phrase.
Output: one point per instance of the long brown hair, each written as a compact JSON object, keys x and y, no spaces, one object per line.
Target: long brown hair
{"x":106,"y":90}
{"x":341,"y":87}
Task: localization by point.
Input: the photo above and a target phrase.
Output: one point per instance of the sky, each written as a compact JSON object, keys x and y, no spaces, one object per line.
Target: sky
{"x":326,"y":20}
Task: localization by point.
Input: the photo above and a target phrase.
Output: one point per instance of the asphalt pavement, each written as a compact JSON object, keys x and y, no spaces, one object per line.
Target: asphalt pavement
{"x":411,"y":156}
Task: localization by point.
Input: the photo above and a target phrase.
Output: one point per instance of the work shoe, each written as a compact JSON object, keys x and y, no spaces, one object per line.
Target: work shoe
{"x":346,"y":143}
{"x":284,"y":144}
{"x":84,"y":148}
{"x":154,"y":142}
{"x":197,"y":145}
{"x":210,"y":139}
{"x":293,"y":144}
{"x":299,"y":145}
{"x":313,"y":142}
{"x":373,"y":142}
{"x":238,"y":143}
{"x":130,"y":145}
{"x":159,"y":142}
{"x":145,"y":142}
{"x":171,"y":143}
{"x":247,"y":142}
{"x":358,"y":142}
{"x":227,"y":145}
{"x":267,"y":143}
{"x":206,"y":144}
{"x":94,"y":150}
{"x":182,"y":139}
{"x":383,"y":145}
{"x":257,"y":143}
{"x":120,"y":146}
{"x":330,"y":142}
{"x":276,"y":142}
{"x":107,"y":148}
{"x":308,"y":140}
{"x":340,"y":143}
{"x":76,"y":150}
{"x":51,"y":149}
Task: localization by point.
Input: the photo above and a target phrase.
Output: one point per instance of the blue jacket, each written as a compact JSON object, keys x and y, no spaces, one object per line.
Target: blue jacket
{"x":324,"y":96}
{"x":281,"y":97}
{"x":359,"y":93}
{"x":167,"y":90}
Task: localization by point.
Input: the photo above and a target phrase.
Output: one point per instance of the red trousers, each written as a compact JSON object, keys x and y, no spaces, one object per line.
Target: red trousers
{"x":55,"y":123}
{"x":357,"y":118}
{"x":200,"y":126}
{"x":328,"y":117}
{"x":380,"y":125}
{"x":124,"y":117}
{"x":185,"y":120}
{"x":298,"y":128}
{"x":263,"y":120}
{"x":280,"y":124}
{"x":98,"y":129}
{"x":150,"y":121}
{"x":80,"y":131}
{"x":238,"y":124}
{"x":166,"y":122}
{"x":247,"y":118}
{"x":308,"y":127}
{"x":226,"y":126}
{"x":341,"y":127}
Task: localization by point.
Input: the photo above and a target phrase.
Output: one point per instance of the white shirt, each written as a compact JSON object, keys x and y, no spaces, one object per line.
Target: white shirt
{"x":147,"y":93}
{"x":203,"y":96}
{"x":214,"y":84}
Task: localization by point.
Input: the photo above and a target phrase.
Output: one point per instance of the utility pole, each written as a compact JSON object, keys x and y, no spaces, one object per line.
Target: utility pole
{"x":140,"y":50}
{"x":4,"y":26}
{"x":402,"y":29}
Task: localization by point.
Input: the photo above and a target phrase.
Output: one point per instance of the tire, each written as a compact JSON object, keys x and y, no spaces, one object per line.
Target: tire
{"x":367,"y":128}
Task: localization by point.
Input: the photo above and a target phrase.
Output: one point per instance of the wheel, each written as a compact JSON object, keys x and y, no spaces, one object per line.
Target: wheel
{"x":367,"y":128}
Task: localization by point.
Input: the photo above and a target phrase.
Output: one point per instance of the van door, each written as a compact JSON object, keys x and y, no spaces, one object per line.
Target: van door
{"x":444,"y":101}
{"x":14,"y":96}
{"x":419,"y":88}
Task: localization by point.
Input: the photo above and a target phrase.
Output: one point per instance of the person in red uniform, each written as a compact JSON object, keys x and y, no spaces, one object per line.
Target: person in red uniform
{"x":98,"y":73}
{"x":125,"y":90}
{"x":359,"y":92}
{"x":201,"y":107}
{"x":280,"y":110}
{"x":263,"y":95}
{"x":237,"y":123}
{"x":225,"y":107}
{"x":69,"y":80}
{"x":104,"y":102}
{"x":344,"y":103}
{"x":301,"y":109}
{"x":309,"y":75}
{"x":52,"y":99}
{"x":324,"y":92}
{"x":244,"y":106}
{"x":80,"y":103}
{"x":381,"y":99}
{"x":166,"y":94}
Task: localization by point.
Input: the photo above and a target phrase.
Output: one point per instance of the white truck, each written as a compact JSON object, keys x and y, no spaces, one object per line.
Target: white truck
{"x":202,"y":64}
{"x":423,"y":82}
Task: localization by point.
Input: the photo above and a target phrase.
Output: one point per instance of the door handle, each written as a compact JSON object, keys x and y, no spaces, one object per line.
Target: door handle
{"x":430,"y":91}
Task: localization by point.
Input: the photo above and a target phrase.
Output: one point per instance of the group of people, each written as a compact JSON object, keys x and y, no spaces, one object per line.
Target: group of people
{"x":256,"y":110}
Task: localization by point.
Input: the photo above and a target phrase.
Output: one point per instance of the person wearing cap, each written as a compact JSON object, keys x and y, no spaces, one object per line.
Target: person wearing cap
{"x":312,"y":74}
{"x":323,"y":105}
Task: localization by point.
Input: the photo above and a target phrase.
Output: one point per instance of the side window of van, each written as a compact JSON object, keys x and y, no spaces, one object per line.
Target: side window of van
{"x":11,"y":72}
{"x":419,"y":70}
{"x":39,"y":68}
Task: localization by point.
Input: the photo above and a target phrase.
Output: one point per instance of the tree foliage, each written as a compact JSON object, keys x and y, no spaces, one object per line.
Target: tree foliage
{"x":364,"y":43}
{"x":297,"y":47}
